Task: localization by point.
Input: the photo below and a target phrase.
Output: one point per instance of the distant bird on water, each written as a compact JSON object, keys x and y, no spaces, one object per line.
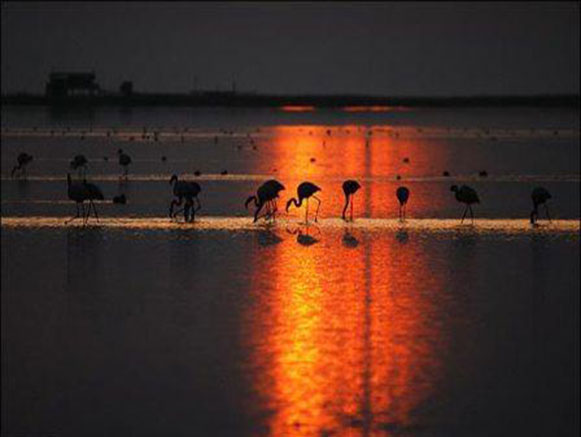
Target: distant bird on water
{"x":266,"y":194}
{"x":187,"y":190}
{"x":305,"y":190}
{"x":465,"y":195}
{"x":540,"y":196}
{"x":23,"y":159}
{"x":350,"y":187}
{"x":124,"y":161}
{"x":79,"y":163}
{"x":402,"y":194}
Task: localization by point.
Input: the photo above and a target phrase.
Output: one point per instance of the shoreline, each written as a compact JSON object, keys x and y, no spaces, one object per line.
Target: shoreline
{"x":206,"y":223}
{"x":292,"y":103}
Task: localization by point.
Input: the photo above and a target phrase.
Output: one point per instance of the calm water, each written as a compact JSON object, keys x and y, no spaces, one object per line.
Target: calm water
{"x":139,"y":326}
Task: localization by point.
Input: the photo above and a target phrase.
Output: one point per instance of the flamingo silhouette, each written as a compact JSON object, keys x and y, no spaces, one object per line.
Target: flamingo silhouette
{"x":304,"y":191}
{"x":402,"y":194}
{"x":350,"y":187}
{"x":540,"y":196}
{"x":187,"y":190}
{"x":79,"y":163}
{"x":124,"y":161}
{"x":266,"y":194}
{"x":23,"y":160}
{"x":468,"y":196}
{"x":79,"y":191}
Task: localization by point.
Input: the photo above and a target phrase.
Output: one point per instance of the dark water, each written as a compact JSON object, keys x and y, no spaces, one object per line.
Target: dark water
{"x":139,"y":326}
{"x":115,"y":332}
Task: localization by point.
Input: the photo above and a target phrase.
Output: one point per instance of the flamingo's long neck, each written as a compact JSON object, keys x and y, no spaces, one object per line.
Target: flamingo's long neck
{"x":299,"y":203}
{"x":250,"y":199}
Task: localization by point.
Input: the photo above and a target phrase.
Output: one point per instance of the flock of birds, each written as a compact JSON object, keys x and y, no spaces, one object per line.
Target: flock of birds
{"x":186,"y":193}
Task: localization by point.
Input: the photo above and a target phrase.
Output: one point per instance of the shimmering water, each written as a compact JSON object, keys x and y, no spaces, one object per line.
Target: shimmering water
{"x":136,"y":325}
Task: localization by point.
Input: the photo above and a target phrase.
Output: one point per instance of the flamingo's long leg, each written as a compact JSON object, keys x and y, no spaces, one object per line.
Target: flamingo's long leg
{"x":547,"y":211}
{"x":464,"y":215}
{"x":189,"y":206}
{"x":75,"y":216}
{"x":268,"y":213}
{"x":471,"y":213}
{"x":256,"y":213}
{"x":318,"y":206}
{"x":94,"y":210}
{"x":352,"y":207}
{"x":174,"y":203}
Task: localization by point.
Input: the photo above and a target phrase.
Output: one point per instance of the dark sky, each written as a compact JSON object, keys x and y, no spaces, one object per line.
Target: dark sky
{"x":372,"y":48}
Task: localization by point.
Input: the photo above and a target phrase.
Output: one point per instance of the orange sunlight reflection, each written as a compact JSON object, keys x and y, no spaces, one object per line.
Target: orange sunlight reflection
{"x":343,"y":341}
{"x":375,"y":155}
{"x":297,"y":108}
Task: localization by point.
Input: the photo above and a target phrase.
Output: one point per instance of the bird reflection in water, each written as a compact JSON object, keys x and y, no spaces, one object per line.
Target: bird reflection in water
{"x":349,"y":240}
{"x":402,"y":236}
{"x":303,"y":237}
{"x":267,"y":238}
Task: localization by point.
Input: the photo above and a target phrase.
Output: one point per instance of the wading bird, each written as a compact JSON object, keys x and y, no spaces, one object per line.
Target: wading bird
{"x":266,"y":194}
{"x":540,"y":196}
{"x":79,"y":163}
{"x":23,"y":160}
{"x":350,"y":187}
{"x":402,"y":194}
{"x":187,"y":190}
{"x":468,"y":196}
{"x":79,"y":191}
{"x":304,"y":191}
{"x":124,"y":161}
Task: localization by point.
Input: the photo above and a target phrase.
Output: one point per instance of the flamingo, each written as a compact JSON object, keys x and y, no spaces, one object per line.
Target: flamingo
{"x":23,"y":160}
{"x":350,"y":187}
{"x":402,"y":194}
{"x":190,"y":191}
{"x":79,"y":163}
{"x":266,"y":194}
{"x":79,"y":192}
{"x":466,"y":195}
{"x":124,"y":161}
{"x":304,"y":191}
{"x":540,"y":196}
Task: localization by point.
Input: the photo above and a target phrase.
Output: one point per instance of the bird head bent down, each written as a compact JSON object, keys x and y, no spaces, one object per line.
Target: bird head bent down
{"x":291,"y":201}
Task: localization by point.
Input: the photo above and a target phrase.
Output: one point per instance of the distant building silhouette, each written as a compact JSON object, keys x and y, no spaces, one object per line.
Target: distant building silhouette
{"x":63,"y":84}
